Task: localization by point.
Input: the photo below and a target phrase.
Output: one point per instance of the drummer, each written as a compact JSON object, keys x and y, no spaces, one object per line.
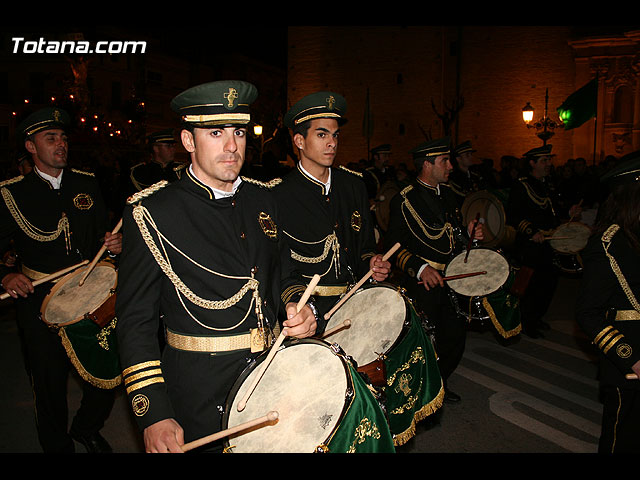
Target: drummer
{"x":56,"y":218}
{"x":426,"y":221}
{"x":531,"y":211}
{"x":326,"y":220}
{"x":206,"y":252}
{"x":465,"y":177}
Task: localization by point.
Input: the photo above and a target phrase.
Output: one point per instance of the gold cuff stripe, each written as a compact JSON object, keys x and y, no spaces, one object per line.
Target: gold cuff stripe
{"x":612,"y":343}
{"x":605,"y":339}
{"x":137,"y":376}
{"x":140,"y":366}
{"x":146,"y":383}
{"x":288,"y":294}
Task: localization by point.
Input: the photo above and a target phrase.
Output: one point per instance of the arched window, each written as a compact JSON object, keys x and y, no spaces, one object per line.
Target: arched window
{"x":623,"y":105}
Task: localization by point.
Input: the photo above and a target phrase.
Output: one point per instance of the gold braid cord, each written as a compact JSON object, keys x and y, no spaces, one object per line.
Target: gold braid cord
{"x":330,"y":243}
{"x":542,"y":202}
{"x":139,"y":214}
{"x":447,"y":228}
{"x":31,"y":230}
{"x":606,"y":242}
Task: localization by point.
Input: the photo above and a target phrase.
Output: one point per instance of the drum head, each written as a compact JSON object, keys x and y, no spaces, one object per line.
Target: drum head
{"x":68,"y":302}
{"x":491,"y":210}
{"x":479,"y":260}
{"x":377,"y":317}
{"x":570,"y":237}
{"x":307,"y":384}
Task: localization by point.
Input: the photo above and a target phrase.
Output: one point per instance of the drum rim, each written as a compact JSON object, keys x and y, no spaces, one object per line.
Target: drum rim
{"x":257,"y":361}
{"x":63,"y":280}
{"x":582,"y":225}
{"x":469,"y":199}
{"x":406,"y":325}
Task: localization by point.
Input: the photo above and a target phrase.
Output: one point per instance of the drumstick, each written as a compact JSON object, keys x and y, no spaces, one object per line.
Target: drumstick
{"x":331,"y":331}
{"x":269,"y":417}
{"x":51,"y":276}
{"x":385,"y":257}
{"x":631,"y":376}
{"x":473,"y":233}
{"x":303,"y":300}
{"x":459,"y":276}
{"x":98,"y":256}
{"x":574,"y":214}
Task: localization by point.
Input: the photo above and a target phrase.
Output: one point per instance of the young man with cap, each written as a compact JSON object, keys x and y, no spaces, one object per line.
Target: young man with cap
{"x":326,"y":220}
{"x":531,"y":211}
{"x":56,"y":218}
{"x":607,"y":307}
{"x":377,"y":174}
{"x":206,"y":252}
{"x":426,"y":221}
{"x":161,"y":166}
{"x":465,"y":178}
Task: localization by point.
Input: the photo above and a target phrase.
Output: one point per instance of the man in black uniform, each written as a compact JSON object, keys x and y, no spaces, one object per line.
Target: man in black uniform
{"x":161,"y":166}
{"x":530,"y":210}
{"x":607,"y":307}
{"x":206,"y":252}
{"x":465,"y":178}
{"x":56,"y":218}
{"x":377,"y":174}
{"x":426,"y":221}
{"x":325,"y":214}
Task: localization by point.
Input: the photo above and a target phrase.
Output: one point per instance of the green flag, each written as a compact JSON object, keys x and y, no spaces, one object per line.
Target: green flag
{"x":580,"y":106}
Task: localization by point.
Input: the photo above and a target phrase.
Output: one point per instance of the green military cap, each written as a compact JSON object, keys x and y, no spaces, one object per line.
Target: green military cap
{"x":543,"y":151}
{"x":225,"y":102}
{"x":464,"y":147}
{"x":317,"y":105}
{"x":163,"y":136}
{"x":44,"y":119}
{"x":626,"y":171}
{"x":385,"y":148}
{"x":432,"y":149}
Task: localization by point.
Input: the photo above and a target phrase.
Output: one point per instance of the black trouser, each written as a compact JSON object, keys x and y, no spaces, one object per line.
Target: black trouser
{"x":537,"y":298}
{"x":450,"y":329}
{"x":620,"y":421}
{"x":48,"y":367}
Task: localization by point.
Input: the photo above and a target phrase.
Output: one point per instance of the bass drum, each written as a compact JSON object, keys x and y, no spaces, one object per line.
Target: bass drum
{"x":323,"y":405}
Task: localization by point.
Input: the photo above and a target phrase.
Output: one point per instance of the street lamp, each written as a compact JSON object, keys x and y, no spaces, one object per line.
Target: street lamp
{"x":545,"y":127}
{"x":257,"y":131}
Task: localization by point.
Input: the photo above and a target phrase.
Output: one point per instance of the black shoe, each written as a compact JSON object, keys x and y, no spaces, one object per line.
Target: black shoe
{"x":94,"y":443}
{"x":451,"y":397}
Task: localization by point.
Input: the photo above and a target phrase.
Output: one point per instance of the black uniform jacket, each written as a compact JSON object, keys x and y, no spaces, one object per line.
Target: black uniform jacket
{"x":465,"y":183}
{"x":143,"y":175}
{"x":31,"y":204}
{"x":427,"y":223}
{"x":309,"y":215}
{"x":208,"y":249}
{"x":607,"y":305}
{"x":530,"y":207}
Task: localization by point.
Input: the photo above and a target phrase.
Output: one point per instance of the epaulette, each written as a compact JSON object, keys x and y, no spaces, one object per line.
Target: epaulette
{"x":609,"y":233}
{"x":342,"y":167}
{"x":11,"y":180}
{"x":142,"y":194}
{"x":406,"y":190}
{"x":179,"y":167}
{"x":269,"y":184}
{"x":91,"y":174}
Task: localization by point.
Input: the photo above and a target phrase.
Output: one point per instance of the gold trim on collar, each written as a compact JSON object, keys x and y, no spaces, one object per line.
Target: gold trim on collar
{"x":311,"y":179}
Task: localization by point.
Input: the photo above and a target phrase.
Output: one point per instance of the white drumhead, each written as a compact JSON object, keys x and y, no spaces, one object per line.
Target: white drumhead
{"x":570,"y":237}
{"x":377,"y":317}
{"x":68,"y":302}
{"x":479,"y":260}
{"x":306,"y":383}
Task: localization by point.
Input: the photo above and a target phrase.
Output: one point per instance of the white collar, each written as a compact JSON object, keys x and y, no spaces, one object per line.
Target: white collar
{"x":220,"y":193}
{"x":327,"y":185}
{"x":54,"y":181}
